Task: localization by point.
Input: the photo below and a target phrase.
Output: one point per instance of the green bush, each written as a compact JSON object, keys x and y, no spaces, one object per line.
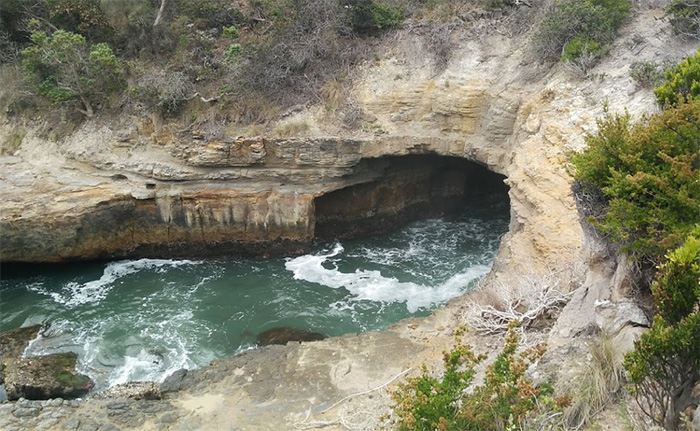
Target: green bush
{"x":588,"y":21}
{"x":85,"y":17}
{"x":578,"y":47}
{"x":230,"y":32}
{"x":233,"y":52}
{"x":684,"y":16}
{"x":682,"y":82}
{"x":665,"y":364}
{"x":505,"y":400}
{"x":648,"y":173}
{"x":677,"y":288}
{"x":64,"y":67}
{"x":369,"y":16}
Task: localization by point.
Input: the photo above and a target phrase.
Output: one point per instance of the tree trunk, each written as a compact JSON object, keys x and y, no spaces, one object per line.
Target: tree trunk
{"x":88,"y":112}
{"x":160,"y":13}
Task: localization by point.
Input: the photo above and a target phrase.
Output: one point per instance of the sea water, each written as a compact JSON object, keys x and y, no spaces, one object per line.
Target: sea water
{"x":142,"y":319}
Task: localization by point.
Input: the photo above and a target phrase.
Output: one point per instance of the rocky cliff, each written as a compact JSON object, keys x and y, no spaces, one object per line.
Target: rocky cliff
{"x":120,"y":188}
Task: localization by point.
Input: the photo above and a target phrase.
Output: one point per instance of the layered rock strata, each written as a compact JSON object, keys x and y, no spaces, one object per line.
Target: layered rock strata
{"x":270,"y":207}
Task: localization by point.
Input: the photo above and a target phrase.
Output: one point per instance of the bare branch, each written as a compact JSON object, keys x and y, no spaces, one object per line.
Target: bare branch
{"x":160,"y":13}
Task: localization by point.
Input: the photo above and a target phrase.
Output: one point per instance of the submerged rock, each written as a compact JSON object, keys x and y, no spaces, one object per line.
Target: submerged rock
{"x":44,"y":377}
{"x":284,"y":335}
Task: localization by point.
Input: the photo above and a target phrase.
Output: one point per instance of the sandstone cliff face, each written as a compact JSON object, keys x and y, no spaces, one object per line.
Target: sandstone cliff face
{"x":119,"y":188}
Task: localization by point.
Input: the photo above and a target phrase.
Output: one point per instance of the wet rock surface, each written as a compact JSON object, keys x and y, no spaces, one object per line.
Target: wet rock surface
{"x":44,"y":377}
{"x":13,"y":343}
{"x":285,"y":335}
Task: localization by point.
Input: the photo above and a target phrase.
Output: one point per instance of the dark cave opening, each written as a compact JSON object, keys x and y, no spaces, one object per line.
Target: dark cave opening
{"x":404,"y":189}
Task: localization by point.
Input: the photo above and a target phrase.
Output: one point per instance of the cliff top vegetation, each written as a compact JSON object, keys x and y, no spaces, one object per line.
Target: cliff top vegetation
{"x":244,"y":62}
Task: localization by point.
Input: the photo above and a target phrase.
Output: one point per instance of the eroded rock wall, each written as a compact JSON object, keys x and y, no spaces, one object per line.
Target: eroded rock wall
{"x":230,"y":197}
{"x":412,"y":187}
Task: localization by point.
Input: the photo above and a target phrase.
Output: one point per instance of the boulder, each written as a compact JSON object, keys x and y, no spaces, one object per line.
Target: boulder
{"x":283,"y":335}
{"x":13,"y":343}
{"x":173,"y":382}
{"x":44,"y":377}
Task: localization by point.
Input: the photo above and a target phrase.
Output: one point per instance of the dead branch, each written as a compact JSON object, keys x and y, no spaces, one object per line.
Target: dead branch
{"x":527,"y":300}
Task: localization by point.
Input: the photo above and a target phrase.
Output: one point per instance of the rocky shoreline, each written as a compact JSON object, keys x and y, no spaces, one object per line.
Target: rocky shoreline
{"x":489,"y":107}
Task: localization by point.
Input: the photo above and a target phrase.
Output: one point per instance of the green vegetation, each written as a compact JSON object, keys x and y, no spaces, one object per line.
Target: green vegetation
{"x":666,"y":361}
{"x":682,"y":83}
{"x":582,"y":30}
{"x":255,"y":58}
{"x":65,"y":68}
{"x":648,"y":175}
{"x":505,"y":400}
{"x":230,"y":32}
{"x":369,"y":16}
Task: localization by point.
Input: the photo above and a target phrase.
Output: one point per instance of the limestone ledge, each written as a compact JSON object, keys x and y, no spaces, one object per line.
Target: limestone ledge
{"x":193,"y":199}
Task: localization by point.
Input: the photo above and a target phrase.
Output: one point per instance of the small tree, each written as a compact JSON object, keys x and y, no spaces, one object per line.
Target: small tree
{"x":64,"y":67}
{"x":665,"y":364}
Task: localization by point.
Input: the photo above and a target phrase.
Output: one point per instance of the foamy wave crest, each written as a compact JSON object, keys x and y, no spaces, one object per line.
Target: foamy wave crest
{"x":73,"y":294}
{"x":149,"y":365}
{"x":372,"y":286}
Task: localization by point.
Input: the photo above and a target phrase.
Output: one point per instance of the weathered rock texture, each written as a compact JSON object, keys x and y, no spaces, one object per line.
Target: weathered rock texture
{"x":266,"y":208}
{"x":44,"y":377}
{"x":13,"y":343}
{"x":79,"y":197}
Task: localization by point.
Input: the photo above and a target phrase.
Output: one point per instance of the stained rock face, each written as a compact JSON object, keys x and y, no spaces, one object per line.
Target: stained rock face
{"x":285,"y":335}
{"x":44,"y":377}
{"x":13,"y":343}
{"x":205,"y":204}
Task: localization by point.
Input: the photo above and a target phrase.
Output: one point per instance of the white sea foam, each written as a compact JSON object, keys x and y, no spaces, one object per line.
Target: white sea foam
{"x":371,"y":285}
{"x":73,"y":294}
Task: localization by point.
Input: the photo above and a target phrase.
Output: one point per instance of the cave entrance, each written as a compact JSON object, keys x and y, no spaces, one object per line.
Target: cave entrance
{"x":403,"y":189}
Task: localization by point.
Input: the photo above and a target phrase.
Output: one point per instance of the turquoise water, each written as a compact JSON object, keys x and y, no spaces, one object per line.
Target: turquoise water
{"x":142,"y":319}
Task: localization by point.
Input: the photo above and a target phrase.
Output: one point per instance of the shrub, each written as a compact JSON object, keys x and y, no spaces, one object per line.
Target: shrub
{"x":164,"y":92}
{"x":85,"y":17}
{"x":588,"y":21}
{"x":65,"y":68}
{"x":648,"y":173}
{"x":134,"y":32}
{"x":369,"y":16}
{"x":682,"y":82}
{"x":233,"y":52}
{"x":230,"y":32}
{"x":580,"y":45}
{"x":506,"y":399}
{"x":206,"y":13}
{"x":307,"y":43}
{"x":581,"y":54}
{"x":646,"y":74}
{"x":665,"y":364}
{"x":684,"y":16}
